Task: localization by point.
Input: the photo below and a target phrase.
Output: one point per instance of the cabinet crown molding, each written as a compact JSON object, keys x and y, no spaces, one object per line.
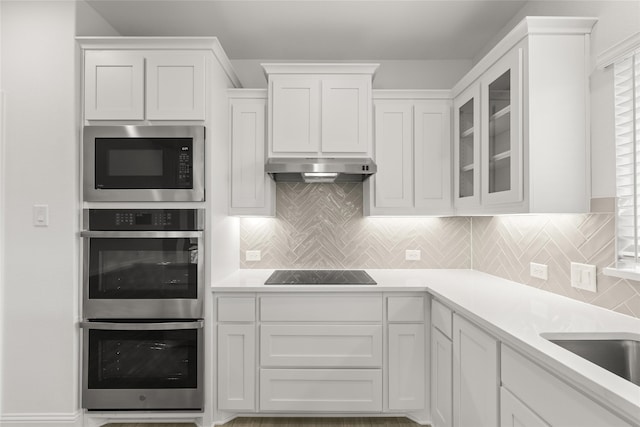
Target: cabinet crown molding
{"x":164,"y":43}
{"x":530,"y":25}
{"x":319,"y":68}
{"x":412,"y":94}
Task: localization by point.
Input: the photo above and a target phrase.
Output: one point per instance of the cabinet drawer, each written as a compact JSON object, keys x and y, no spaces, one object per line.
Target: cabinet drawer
{"x":236,"y":309}
{"x":321,"y":390}
{"x":319,"y":346}
{"x":321,"y":308}
{"x":405,"y":309}
{"x":441,"y":318}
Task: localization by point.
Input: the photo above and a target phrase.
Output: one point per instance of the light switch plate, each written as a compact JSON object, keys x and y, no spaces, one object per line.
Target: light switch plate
{"x":412,"y":255}
{"x":583,"y":276}
{"x":41,"y":215}
{"x":252,"y":256}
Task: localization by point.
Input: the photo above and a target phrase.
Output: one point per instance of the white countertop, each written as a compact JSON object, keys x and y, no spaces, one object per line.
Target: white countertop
{"x":514,"y":313}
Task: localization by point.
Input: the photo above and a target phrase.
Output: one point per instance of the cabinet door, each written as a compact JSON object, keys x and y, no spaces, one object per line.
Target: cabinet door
{"x":251,"y":188}
{"x":502,"y":131}
{"x":345,"y":115}
{"x":113,"y":85}
{"x":466,"y":149}
{"x":295,"y":115}
{"x":514,"y":413}
{"x":441,"y":379}
{"x":432,"y":157}
{"x":236,"y":367}
{"x":475,"y":376}
{"x":407,"y":367}
{"x":393,"y":183}
{"x":175,"y":86}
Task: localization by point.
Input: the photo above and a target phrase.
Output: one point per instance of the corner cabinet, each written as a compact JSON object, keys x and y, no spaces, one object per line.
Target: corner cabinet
{"x":521,"y":137}
{"x":252,"y":191}
{"x":144,"y":85}
{"x":318,"y":110}
{"x":412,"y":145}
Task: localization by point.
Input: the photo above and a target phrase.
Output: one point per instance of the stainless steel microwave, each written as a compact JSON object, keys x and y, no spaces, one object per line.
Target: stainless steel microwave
{"x":143,"y":163}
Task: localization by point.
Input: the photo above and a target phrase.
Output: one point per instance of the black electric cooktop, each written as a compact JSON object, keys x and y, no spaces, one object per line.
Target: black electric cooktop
{"x":320,"y":277}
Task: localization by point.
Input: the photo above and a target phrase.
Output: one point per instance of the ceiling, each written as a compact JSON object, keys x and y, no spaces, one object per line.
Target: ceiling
{"x":320,"y":29}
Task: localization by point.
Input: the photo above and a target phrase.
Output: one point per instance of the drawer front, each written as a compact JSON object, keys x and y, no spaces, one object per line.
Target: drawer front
{"x":236,"y":309}
{"x":319,"y":346}
{"x":321,"y":308}
{"x":321,"y":390}
{"x":441,"y":318}
{"x":405,"y":309}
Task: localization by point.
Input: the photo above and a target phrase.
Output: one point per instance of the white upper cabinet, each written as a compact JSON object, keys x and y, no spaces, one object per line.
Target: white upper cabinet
{"x":175,"y":86}
{"x":252,"y":191}
{"x":521,"y":131}
{"x":144,"y":85}
{"x":501,"y":127}
{"x":113,"y":85}
{"x":466,"y":149}
{"x":319,"y":110}
{"x":412,"y":144}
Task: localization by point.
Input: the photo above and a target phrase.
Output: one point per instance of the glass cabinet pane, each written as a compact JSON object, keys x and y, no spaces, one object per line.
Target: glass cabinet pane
{"x":466,"y":159}
{"x":499,"y":127}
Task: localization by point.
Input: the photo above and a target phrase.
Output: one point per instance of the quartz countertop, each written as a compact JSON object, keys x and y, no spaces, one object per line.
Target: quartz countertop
{"x":514,"y":313}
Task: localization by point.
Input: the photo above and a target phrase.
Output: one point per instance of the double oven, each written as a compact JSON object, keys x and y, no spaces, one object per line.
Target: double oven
{"x":142,"y":279}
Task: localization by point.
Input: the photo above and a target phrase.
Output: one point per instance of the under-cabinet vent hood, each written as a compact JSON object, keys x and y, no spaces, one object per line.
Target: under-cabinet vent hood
{"x":320,"y":170}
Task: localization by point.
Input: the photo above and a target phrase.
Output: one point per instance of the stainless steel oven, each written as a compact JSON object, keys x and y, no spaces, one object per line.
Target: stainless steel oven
{"x":142,"y":365}
{"x":143,"y":163}
{"x":143,"y":263}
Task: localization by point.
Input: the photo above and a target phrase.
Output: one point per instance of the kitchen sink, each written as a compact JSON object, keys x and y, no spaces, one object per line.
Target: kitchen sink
{"x":620,"y":356}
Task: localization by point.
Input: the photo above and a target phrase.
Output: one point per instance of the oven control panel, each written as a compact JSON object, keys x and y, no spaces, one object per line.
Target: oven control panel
{"x":143,"y":219}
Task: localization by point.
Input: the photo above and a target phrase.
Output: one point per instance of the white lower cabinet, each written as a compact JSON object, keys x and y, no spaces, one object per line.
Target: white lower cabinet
{"x":407,"y":367}
{"x":321,"y":390}
{"x":514,"y":413}
{"x":475,"y":376}
{"x":236,"y":367}
{"x":533,"y":396}
{"x":441,"y":379}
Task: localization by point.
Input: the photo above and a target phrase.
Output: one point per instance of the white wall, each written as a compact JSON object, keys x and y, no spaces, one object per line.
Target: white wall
{"x":39,"y":311}
{"x":390,"y":75}
{"x":617,"y":20}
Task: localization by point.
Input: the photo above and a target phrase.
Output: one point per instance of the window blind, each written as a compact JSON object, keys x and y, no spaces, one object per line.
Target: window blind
{"x":627,"y":125}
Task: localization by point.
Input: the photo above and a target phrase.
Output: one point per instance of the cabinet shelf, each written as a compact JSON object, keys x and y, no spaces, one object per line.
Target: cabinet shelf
{"x":467,"y":168}
{"x":500,"y":121}
{"x":467,"y":133}
{"x":501,"y":156}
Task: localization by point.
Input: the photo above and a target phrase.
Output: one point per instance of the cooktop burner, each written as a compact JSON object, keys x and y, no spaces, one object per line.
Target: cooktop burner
{"x":320,"y":277}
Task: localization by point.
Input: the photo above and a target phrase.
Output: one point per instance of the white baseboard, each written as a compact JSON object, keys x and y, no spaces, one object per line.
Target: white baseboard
{"x":41,"y":420}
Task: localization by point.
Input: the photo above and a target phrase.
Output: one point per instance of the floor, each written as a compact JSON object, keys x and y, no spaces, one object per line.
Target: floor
{"x":295,"y":422}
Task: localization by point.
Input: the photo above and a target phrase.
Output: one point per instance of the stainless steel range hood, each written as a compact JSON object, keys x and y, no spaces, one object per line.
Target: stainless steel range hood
{"x":320,"y":170}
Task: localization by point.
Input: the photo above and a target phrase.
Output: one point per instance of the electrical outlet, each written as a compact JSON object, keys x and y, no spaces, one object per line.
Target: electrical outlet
{"x":412,"y":255}
{"x":539,"y":271}
{"x":252,"y":256}
{"x":583,"y":276}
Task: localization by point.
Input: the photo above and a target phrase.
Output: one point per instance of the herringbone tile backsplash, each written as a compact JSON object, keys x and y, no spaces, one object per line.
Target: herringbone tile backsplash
{"x":321,"y":226}
{"x":505,"y":245}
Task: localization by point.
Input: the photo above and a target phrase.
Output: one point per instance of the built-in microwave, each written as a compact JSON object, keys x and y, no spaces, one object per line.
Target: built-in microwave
{"x":143,"y":163}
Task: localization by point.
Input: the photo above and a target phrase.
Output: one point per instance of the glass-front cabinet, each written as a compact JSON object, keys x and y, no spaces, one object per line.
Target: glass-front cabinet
{"x":501,"y":127}
{"x":488,"y":139}
{"x":467,"y":149}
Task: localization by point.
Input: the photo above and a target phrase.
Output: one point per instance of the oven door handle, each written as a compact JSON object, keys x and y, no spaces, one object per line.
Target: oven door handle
{"x":141,"y":234}
{"x":162,"y":326}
